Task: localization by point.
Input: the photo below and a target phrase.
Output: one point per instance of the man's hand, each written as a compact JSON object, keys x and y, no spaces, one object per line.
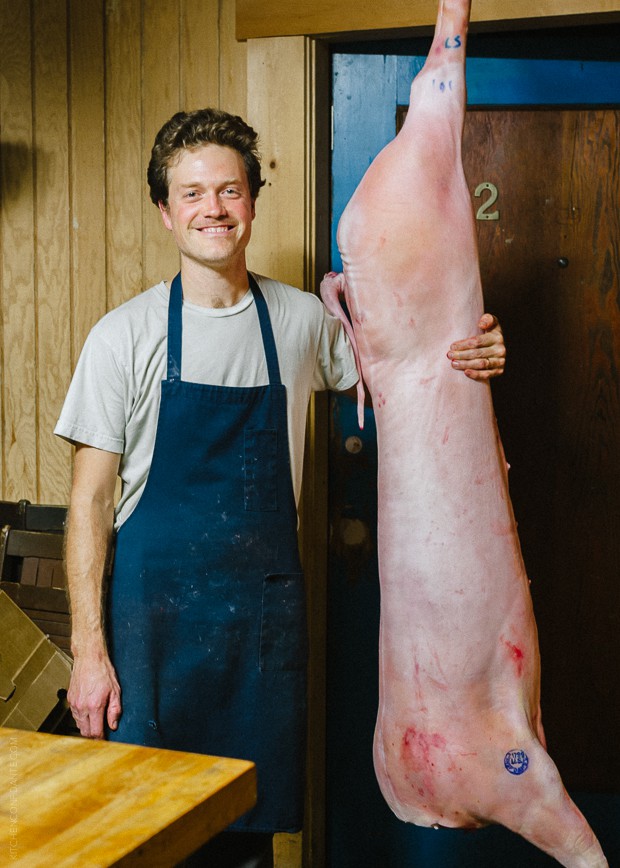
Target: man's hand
{"x":484,"y":356}
{"x":94,"y":693}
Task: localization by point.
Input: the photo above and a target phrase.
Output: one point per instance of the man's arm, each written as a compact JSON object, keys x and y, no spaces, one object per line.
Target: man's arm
{"x":94,"y":690}
{"x":480,"y":358}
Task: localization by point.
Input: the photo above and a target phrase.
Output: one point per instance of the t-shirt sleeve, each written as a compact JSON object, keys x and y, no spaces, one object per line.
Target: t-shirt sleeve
{"x":95,"y":409}
{"x":335,"y":368}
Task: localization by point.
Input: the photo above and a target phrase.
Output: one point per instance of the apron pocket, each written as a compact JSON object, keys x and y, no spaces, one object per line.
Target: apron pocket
{"x":260,"y":469}
{"x":283,"y":623}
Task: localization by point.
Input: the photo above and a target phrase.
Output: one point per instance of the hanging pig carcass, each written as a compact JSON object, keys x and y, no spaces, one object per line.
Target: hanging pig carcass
{"x":459,"y":740}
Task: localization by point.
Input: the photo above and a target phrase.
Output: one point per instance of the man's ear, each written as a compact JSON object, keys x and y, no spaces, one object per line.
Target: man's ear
{"x":165,"y":215}
{"x":253,"y":208}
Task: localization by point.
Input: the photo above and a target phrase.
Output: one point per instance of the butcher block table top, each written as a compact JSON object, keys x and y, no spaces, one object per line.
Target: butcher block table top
{"x":69,"y":801}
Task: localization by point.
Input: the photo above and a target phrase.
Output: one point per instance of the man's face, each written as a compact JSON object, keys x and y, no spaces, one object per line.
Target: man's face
{"x":210,"y":210}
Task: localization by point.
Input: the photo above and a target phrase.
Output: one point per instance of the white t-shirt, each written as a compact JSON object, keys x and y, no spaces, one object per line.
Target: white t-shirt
{"x":113,"y":399}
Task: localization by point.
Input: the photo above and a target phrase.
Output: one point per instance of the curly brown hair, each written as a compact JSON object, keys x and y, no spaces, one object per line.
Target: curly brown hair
{"x":208,"y":126}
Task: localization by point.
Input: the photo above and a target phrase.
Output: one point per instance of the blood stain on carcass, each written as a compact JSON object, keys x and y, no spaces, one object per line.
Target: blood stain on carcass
{"x":516,"y":654}
{"x":418,"y":748}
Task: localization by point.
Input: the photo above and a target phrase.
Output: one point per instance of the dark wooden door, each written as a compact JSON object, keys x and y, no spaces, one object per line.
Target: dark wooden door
{"x":550,"y":260}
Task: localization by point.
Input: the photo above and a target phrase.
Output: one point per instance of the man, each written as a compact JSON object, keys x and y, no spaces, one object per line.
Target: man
{"x":196,"y":395}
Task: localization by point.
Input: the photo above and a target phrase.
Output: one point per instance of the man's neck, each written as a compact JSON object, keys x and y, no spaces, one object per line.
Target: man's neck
{"x":209,"y":287}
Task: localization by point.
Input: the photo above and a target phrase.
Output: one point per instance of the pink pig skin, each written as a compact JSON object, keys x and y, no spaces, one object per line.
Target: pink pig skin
{"x":459,"y":661}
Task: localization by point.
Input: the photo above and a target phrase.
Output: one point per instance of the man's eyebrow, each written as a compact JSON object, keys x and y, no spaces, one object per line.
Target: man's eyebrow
{"x":226,"y":183}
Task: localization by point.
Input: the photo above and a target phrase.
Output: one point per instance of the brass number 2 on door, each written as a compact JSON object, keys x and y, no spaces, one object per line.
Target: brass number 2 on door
{"x":483,"y":212}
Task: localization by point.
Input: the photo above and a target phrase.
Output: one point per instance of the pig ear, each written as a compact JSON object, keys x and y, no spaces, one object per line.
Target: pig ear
{"x":333,"y":287}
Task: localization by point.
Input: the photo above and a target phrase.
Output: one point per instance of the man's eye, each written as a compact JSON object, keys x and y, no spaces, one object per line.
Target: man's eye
{"x":191,"y":194}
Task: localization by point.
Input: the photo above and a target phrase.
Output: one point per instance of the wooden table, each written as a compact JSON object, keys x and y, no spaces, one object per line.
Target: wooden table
{"x":69,"y":801}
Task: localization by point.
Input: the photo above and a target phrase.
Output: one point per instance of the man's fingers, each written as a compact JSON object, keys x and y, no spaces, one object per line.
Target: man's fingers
{"x":90,"y":724}
{"x":483,"y":358}
{"x":82,"y":723}
{"x":87,"y":725}
{"x":89,"y":715}
{"x":493,"y":352}
{"x":488,"y":321}
{"x":481,"y":375}
{"x":480,"y":342}
{"x":114,"y":712}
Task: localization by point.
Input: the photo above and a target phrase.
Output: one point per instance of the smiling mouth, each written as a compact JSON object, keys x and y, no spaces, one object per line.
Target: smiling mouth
{"x":215,"y":230}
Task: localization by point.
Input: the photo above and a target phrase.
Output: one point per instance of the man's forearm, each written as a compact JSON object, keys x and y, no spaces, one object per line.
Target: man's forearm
{"x":87,"y":547}
{"x":89,"y":536}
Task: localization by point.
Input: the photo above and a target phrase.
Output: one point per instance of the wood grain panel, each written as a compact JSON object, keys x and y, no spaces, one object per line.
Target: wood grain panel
{"x":52,"y":242}
{"x":277,"y":110}
{"x":584,"y":585}
{"x":160,"y":100}
{"x":125,"y":188}
{"x":18,"y":261}
{"x":263,"y":18}
{"x":233,"y":95}
{"x":87,"y":170}
{"x":107,"y":73}
{"x":200,"y":54}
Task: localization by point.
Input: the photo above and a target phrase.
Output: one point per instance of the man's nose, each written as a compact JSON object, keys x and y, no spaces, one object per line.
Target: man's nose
{"x":213,"y":205}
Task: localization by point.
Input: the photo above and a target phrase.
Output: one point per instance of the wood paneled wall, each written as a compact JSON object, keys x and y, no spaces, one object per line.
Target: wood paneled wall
{"x":84,"y":87}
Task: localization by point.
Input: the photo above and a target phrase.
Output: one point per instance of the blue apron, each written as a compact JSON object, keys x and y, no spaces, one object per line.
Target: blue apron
{"x":207,"y":623}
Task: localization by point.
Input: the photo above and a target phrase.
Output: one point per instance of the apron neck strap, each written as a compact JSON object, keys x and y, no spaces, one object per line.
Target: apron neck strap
{"x":269,"y":344}
{"x":175,"y":331}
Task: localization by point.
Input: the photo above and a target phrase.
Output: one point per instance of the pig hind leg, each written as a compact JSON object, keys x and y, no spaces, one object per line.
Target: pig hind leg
{"x":547,"y":817}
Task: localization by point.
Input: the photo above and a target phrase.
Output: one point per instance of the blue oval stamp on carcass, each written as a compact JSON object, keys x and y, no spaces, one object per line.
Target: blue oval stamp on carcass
{"x":516,"y":762}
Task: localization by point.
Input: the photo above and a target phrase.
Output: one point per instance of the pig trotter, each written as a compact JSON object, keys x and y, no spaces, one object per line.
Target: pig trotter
{"x":332,"y":288}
